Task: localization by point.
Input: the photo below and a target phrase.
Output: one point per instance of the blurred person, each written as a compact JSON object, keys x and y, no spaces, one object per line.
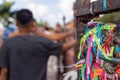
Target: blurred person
{"x":70,"y":54}
{"x":33,"y":30}
{"x":25,"y":56}
{"x":11,"y":27}
{"x":47,"y":30}
{"x":52,"y":62}
{"x":2,"y":28}
{"x":46,"y":33}
{"x":58,"y":28}
{"x":55,"y":36}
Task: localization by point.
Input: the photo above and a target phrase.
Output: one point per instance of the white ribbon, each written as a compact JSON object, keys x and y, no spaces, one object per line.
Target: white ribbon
{"x":93,"y":0}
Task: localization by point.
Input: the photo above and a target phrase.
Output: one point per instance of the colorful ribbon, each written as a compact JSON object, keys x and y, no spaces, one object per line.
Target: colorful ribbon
{"x":94,"y":42}
{"x":105,"y":5}
{"x":94,"y":30}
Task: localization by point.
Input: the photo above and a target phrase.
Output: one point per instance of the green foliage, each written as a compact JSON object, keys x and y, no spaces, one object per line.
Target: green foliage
{"x":5,"y":10}
{"x":41,"y":23}
{"x":111,"y":18}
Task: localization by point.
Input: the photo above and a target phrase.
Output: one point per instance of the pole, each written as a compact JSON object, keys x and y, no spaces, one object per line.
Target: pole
{"x":64,"y":19}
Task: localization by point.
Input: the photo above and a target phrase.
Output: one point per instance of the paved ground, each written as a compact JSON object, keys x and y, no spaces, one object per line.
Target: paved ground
{"x":52,"y":69}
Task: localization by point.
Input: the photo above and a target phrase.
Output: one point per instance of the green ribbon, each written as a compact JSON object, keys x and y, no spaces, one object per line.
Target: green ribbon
{"x":95,"y":77}
{"x":94,"y":30}
{"x":112,"y":50}
{"x":83,"y":71}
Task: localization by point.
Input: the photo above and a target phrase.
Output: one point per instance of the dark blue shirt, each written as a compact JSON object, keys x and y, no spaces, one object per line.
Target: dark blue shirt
{"x":26,"y":56}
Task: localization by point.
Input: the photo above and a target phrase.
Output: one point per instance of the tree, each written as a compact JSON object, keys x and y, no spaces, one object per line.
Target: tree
{"x":5,"y":10}
{"x":111,"y":18}
{"x":41,"y":23}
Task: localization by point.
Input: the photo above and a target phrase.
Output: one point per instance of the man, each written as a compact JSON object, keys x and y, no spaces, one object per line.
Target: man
{"x":10,"y":28}
{"x":2,"y":28}
{"x":52,"y":36}
{"x":24,"y":57}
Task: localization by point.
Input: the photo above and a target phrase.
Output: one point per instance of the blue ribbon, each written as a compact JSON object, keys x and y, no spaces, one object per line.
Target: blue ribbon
{"x":114,"y":60}
{"x":94,"y":48}
{"x":119,"y":26}
{"x":80,"y":76}
{"x":89,"y":77}
{"x":99,"y":32}
{"x":105,"y":5}
{"x":117,"y":48}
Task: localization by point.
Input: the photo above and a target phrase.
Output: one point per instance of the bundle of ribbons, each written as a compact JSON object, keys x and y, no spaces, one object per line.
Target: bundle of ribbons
{"x":96,"y":51}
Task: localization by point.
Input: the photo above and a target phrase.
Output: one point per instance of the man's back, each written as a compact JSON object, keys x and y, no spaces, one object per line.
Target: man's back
{"x":26,"y":57}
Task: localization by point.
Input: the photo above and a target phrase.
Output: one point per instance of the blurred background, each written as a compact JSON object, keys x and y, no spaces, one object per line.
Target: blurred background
{"x":53,"y":16}
{"x":44,"y":11}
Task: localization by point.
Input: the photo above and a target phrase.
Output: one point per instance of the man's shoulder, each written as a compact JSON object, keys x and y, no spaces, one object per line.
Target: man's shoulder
{"x":29,"y":37}
{"x":41,"y":38}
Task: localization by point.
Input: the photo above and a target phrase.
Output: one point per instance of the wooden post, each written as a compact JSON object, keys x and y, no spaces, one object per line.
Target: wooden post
{"x":82,"y":7}
{"x":83,"y":14}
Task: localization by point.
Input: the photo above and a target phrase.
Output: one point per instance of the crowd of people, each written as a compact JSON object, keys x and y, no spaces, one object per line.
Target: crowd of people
{"x":26,"y":48}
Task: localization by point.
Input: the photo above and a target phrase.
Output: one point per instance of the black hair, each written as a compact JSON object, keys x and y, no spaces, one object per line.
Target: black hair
{"x":24,"y":16}
{"x":46,"y":28}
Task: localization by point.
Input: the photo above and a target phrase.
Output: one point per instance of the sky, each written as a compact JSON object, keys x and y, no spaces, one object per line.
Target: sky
{"x":51,"y":11}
